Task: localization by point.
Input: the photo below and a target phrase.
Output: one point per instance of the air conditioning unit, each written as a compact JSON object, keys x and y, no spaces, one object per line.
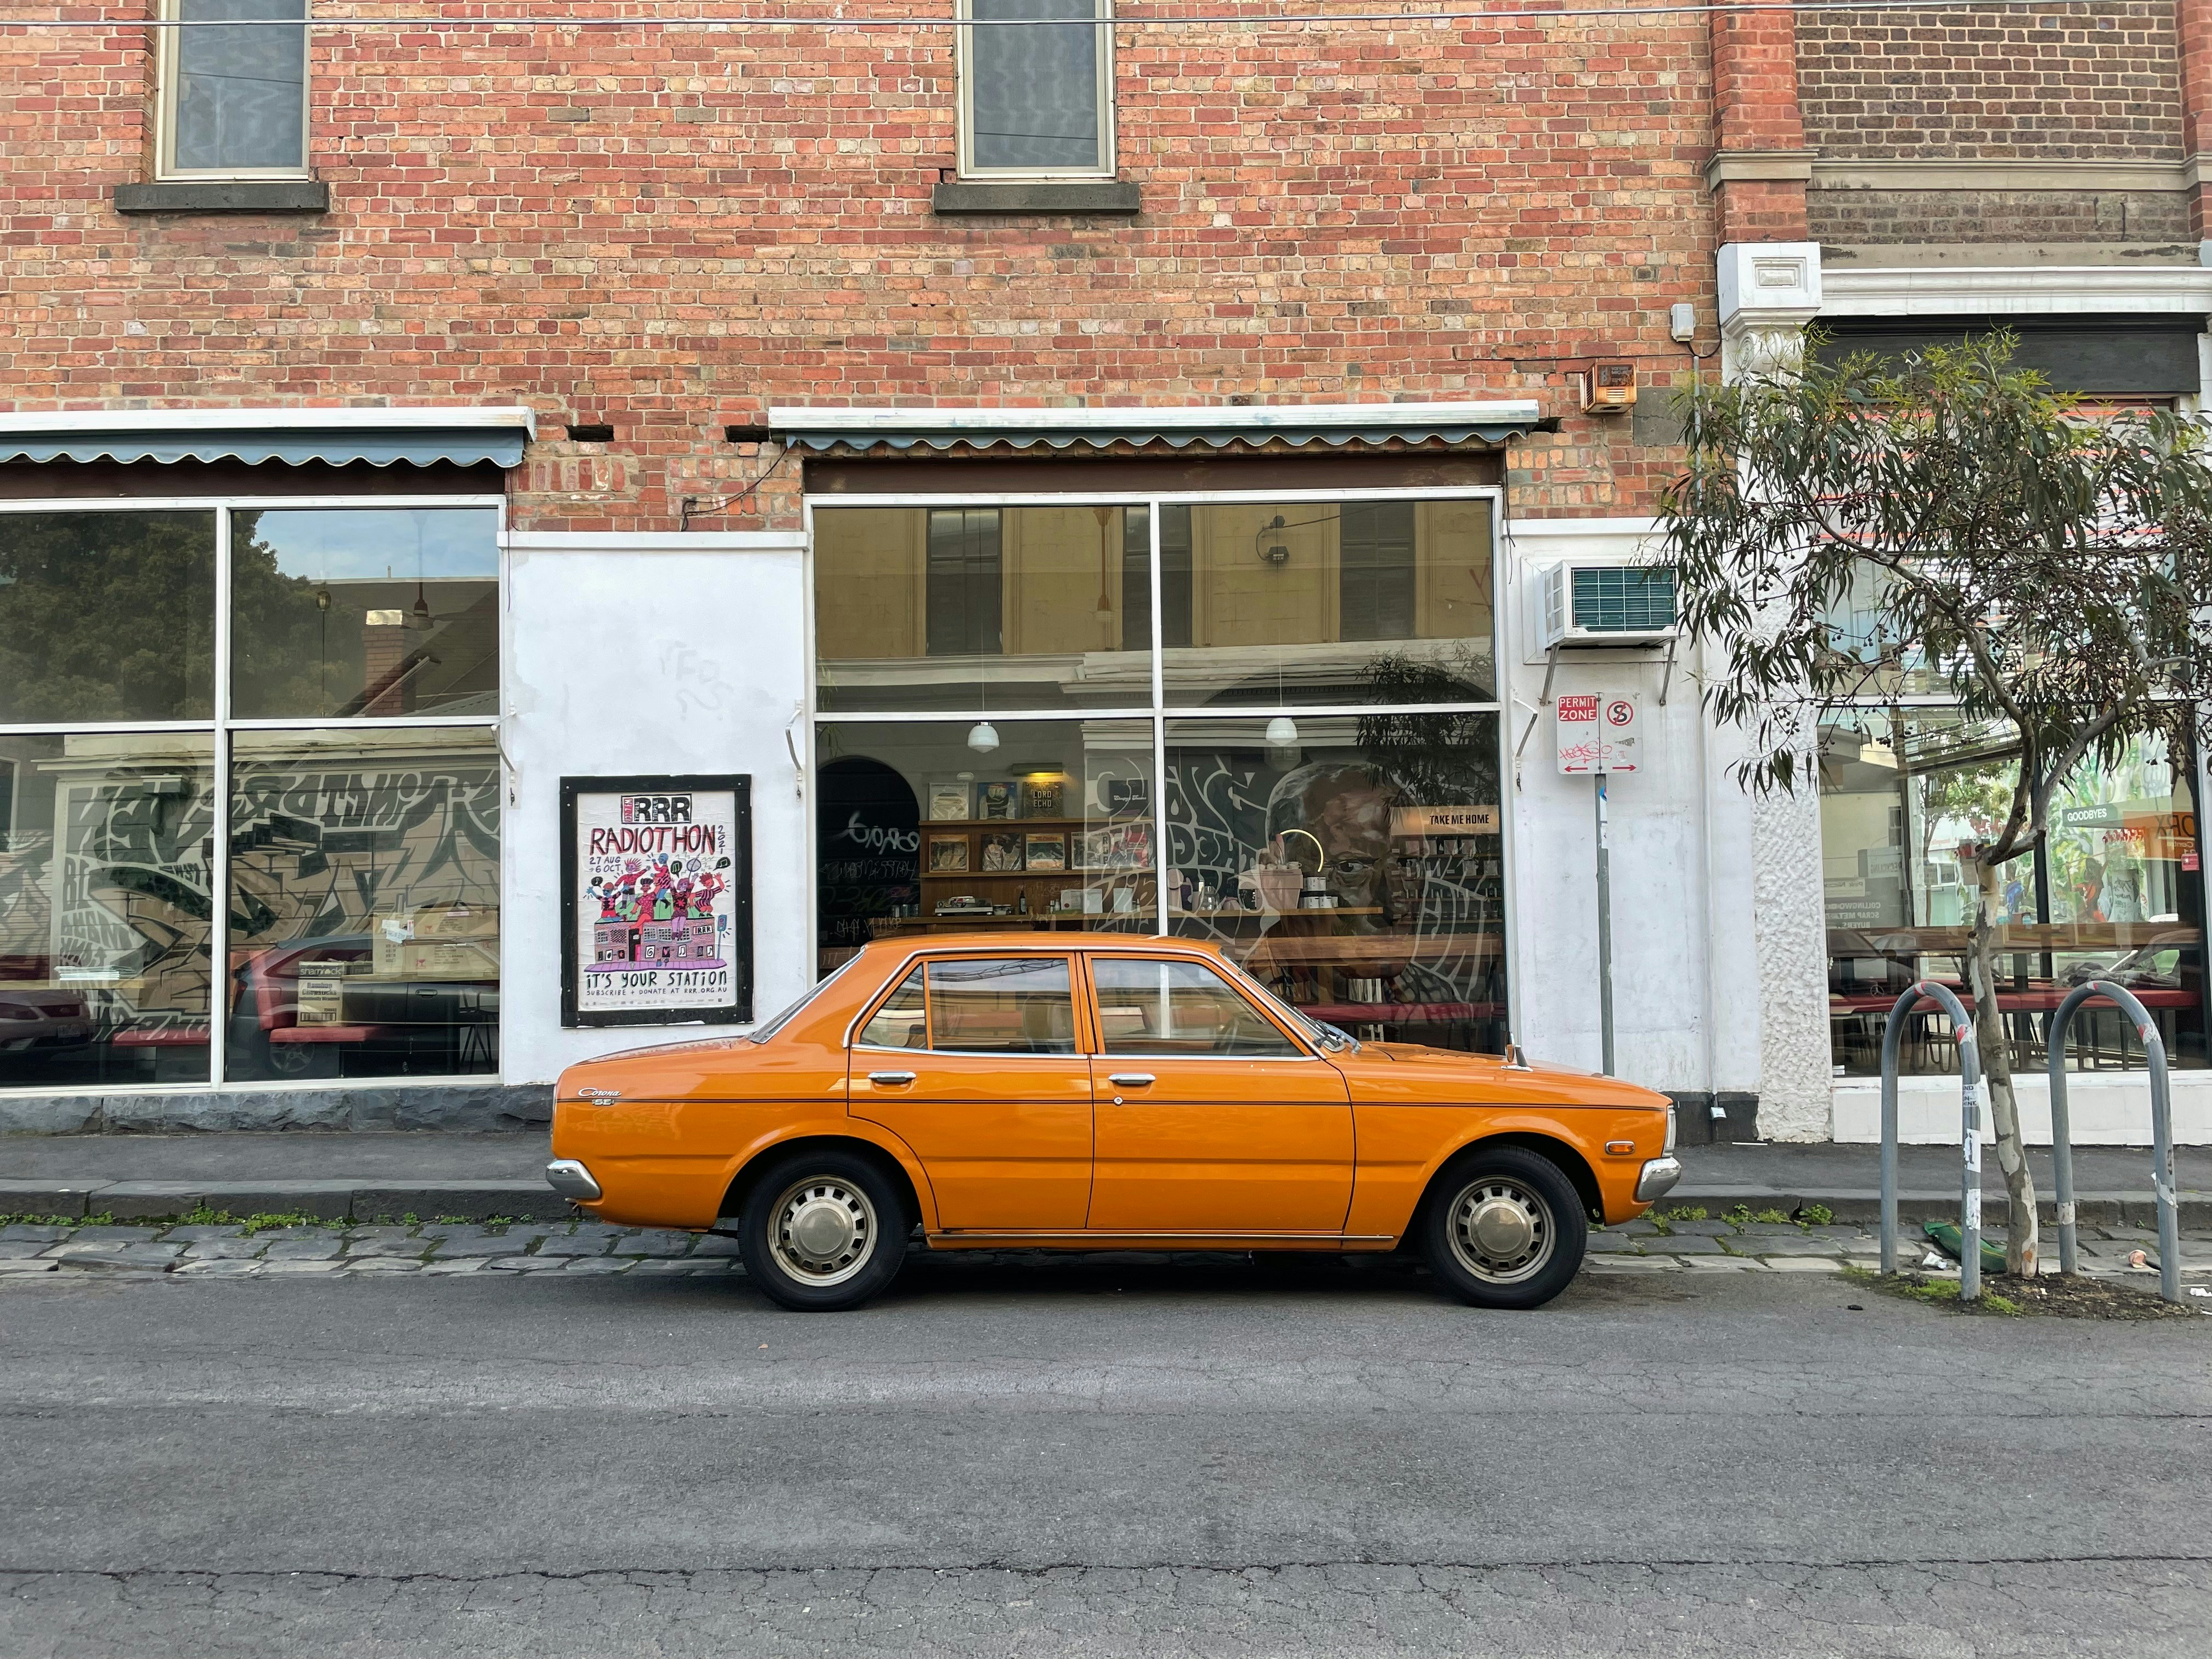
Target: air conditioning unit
{"x":1607,"y":605}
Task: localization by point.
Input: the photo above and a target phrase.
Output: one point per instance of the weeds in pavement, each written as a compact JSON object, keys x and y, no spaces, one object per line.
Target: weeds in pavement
{"x":1814,"y":1215}
{"x":1935,"y":1291}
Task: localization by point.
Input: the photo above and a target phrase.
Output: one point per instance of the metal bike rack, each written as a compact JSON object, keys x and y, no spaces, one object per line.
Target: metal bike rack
{"x":1970,"y":1132}
{"x":2161,"y":1130}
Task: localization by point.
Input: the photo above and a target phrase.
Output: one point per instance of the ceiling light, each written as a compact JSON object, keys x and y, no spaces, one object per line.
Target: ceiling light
{"x":982,"y":736}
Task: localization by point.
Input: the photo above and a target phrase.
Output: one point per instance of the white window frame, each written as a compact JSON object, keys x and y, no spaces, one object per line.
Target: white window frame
{"x":964,"y":53}
{"x":169,"y":64}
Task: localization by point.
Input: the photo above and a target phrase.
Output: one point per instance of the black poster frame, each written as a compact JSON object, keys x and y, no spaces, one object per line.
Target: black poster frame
{"x":738,"y":1011}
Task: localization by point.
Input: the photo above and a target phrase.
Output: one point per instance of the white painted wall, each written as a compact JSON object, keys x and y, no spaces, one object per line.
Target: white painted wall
{"x":2110,"y":1109}
{"x":1685,"y":1003}
{"x":647,"y":653}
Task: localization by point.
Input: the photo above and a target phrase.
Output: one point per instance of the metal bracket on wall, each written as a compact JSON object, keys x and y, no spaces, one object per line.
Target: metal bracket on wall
{"x":1667,"y":678}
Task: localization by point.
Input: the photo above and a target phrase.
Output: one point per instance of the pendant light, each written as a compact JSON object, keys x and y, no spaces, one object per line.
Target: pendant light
{"x":982,"y":736}
{"x":1283,"y":741}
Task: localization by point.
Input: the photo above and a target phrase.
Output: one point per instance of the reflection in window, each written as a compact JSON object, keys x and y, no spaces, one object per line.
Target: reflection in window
{"x":976,"y":609}
{"x":1032,"y":99}
{"x":106,"y":617}
{"x":347,"y":613}
{"x":239,"y":98}
{"x":1355,"y":868}
{"x":1001,"y":1005}
{"x":901,"y":1022}
{"x":1163,"y":1007}
{"x":365,"y":904}
{"x":920,"y":833}
{"x":1137,"y":577}
{"x":2116,"y":892}
{"x":106,"y":909}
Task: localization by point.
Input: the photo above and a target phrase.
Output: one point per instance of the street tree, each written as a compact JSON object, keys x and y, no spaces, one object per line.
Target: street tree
{"x":1848,"y":533}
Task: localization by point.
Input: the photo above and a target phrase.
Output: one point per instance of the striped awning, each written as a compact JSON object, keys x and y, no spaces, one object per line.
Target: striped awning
{"x":295,"y":437}
{"x":1213,"y":426}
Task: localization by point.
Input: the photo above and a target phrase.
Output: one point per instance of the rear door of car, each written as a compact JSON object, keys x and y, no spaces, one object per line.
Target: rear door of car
{"x":975,"y":1060}
{"x":1210,"y":1117}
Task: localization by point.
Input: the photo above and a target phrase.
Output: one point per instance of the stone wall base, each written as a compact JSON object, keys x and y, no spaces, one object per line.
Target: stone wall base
{"x":452,"y":1106}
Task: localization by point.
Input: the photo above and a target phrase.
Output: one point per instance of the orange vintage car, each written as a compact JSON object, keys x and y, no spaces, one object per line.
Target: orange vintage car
{"x":1098,"y":1092}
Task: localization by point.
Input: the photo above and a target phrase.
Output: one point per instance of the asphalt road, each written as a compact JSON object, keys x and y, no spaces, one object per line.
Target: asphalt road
{"x":1088,"y":1458}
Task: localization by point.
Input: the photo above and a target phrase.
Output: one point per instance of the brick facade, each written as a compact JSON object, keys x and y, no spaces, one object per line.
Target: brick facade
{"x":2010,"y":217}
{"x":671,"y":230}
{"x":2098,"y":83}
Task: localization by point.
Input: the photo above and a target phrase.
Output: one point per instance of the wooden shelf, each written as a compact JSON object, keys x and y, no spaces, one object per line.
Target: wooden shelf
{"x":1024,"y":875}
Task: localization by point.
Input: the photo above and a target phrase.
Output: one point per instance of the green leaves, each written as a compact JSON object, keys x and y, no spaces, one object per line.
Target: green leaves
{"x":1864,"y":531}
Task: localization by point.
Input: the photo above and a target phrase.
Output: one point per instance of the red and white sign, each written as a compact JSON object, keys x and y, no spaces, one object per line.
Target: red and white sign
{"x":1597,"y":732}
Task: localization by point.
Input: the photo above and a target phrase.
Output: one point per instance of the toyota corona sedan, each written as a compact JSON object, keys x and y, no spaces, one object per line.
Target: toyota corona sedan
{"x":1098,"y":1092}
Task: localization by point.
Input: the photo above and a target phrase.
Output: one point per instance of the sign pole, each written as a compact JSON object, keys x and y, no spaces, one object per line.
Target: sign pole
{"x":1604,"y":931}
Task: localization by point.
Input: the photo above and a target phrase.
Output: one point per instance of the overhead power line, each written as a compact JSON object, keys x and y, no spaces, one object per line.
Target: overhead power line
{"x":1525,"y":15}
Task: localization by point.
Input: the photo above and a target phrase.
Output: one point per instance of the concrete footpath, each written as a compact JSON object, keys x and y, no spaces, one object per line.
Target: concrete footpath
{"x":389,"y":1175}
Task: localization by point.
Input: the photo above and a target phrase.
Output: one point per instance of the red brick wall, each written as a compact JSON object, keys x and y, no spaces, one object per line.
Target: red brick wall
{"x":671,"y":230}
{"x":2089,"y":83}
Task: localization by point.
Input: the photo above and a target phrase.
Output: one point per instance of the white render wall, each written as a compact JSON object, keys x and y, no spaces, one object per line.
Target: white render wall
{"x":648,"y":653}
{"x":1685,"y":966}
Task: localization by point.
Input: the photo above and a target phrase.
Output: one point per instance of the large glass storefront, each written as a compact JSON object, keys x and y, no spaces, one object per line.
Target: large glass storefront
{"x":2118,"y":891}
{"x":1270,"y":723}
{"x":336,"y":783}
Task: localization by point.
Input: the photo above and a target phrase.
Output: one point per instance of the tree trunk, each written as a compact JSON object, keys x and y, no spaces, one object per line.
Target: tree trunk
{"x":1996,"y":1046}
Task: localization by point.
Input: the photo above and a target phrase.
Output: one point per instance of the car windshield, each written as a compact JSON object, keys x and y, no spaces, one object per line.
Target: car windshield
{"x":1328,"y":1036}
{"x":761,"y":1033}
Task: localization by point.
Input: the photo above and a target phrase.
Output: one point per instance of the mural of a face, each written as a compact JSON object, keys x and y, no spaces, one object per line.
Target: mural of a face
{"x":1345,"y":809}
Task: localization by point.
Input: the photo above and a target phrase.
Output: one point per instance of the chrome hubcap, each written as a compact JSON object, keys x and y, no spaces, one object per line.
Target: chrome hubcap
{"x":822,"y":1232}
{"x":1501,"y":1231}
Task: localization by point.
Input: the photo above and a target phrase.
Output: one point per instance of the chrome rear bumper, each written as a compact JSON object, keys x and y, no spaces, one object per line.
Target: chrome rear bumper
{"x":571,"y":1179}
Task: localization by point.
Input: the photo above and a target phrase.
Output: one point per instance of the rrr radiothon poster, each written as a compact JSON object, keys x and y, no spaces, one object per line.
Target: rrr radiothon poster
{"x":656,"y":891}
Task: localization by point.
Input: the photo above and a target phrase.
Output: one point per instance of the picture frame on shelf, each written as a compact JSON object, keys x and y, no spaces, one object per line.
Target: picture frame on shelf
{"x":994,"y":801}
{"x":1002,"y":851}
{"x":948,"y":856}
{"x":1044,"y":797}
{"x":1045,"y":851}
{"x":951,"y":801}
{"x":1123,"y":846}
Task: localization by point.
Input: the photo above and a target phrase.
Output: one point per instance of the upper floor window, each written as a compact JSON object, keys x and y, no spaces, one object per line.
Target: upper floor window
{"x":234,"y":88}
{"x":1036,"y":94}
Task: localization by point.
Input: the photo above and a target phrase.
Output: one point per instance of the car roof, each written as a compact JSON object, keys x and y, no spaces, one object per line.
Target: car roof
{"x":1029,"y":942}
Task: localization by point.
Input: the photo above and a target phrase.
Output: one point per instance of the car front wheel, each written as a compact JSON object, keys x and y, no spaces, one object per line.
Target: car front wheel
{"x":822,"y":1232}
{"x":1505,"y":1228}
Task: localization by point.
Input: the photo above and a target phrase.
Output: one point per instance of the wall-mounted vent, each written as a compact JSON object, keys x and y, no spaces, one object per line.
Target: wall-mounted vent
{"x":1608,"y":604}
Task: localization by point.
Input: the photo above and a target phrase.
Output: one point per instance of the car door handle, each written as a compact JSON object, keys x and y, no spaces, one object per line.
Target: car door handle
{"x":890,"y":1077}
{"x":1129,"y":1080}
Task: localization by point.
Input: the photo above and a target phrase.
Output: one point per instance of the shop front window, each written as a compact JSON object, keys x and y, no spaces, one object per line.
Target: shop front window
{"x":2117,"y":892}
{"x":353,"y":850}
{"x":364,"y":902}
{"x":107,"y":889}
{"x":1352,"y":861}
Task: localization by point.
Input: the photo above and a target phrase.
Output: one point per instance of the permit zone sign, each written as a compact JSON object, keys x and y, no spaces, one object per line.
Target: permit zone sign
{"x":1597,"y":732}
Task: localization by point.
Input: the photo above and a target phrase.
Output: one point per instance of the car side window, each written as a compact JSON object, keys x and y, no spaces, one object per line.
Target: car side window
{"x":1151,"y":1005}
{"x":901,"y":1023}
{"x":1002,"y":1006}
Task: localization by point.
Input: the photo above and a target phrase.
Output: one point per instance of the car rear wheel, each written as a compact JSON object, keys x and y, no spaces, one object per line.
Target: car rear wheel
{"x":822,"y":1232}
{"x":1504,"y":1229}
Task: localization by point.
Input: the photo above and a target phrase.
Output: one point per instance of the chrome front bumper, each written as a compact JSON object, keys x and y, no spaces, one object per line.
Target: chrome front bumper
{"x":1658,"y":1179}
{"x":571,"y":1179}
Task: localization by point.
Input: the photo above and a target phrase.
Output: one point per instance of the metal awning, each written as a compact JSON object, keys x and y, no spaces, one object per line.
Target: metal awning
{"x":293,"y":436}
{"x":1216,"y":426}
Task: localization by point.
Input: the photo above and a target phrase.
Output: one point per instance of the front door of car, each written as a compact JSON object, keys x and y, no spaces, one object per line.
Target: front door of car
{"x":973,"y":1061}
{"x":1210,"y":1118}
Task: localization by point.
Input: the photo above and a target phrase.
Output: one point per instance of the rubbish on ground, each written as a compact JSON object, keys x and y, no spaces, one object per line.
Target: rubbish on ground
{"x":1947,"y":1238}
{"x":1933,"y":1259}
{"x":2138,"y":1259}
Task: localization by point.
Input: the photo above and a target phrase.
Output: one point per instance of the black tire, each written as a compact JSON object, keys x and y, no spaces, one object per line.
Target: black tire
{"x":802,"y":1261}
{"x":1507,"y":1271}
